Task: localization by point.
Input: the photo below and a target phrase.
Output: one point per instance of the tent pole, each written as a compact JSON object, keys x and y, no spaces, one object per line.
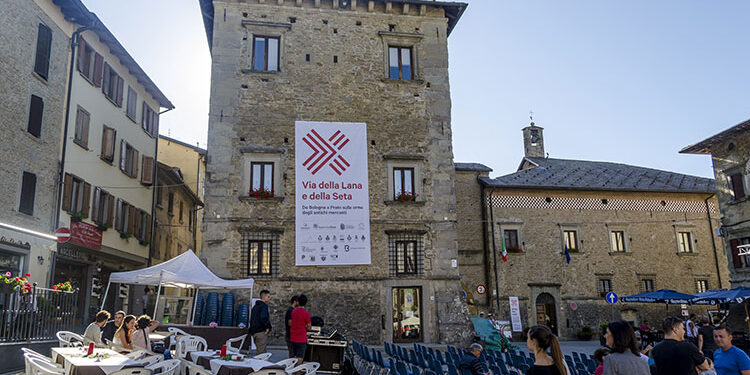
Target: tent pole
{"x":158,"y":292}
{"x":104,"y":300}
{"x":195,"y":305}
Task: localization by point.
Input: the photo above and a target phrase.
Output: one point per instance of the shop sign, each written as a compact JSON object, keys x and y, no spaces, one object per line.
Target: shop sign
{"x":86,"y":235}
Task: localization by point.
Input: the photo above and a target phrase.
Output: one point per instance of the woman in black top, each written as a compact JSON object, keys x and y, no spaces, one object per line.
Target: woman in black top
{"x":541,"y":338}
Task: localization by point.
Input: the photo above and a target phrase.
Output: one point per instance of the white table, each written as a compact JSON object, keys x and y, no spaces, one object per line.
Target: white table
{"x":75,"y":363}
{"x":216,"y":363}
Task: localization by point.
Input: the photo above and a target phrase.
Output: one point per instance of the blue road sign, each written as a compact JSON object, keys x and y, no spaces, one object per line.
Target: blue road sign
{"x":611,"y":298}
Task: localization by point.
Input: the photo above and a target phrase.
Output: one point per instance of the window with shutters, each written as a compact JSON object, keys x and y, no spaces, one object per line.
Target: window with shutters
{"x":109,"y":136}
{"x":112,"y":85}
{"x":81,"y":136}
{"x":76,"y":196}
{"x":142,"y":227}
{"x":147,"y":170}
{"x":181,"y":209}
{"x":43,"y":50}
{"x":124,"y":217}
{"x":89,"y":63}
{"x":159,"y":189}
{"x":265,"y":54}
{"x":28,"y":193}
{"x":737,"y":185}
{"x":149,"y":120}
{"x":191,"y":219}
{"x":36,"y":114}
{"x":128,"y":159}
{"x":170,"y":203}
{"x":103,"y":207}
{"x":132,"y":102}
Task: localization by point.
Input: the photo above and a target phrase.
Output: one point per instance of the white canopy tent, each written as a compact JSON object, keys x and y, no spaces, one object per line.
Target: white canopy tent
{"x":182,"y":271}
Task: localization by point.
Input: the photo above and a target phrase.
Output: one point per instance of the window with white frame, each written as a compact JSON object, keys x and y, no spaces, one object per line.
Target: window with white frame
{"x":266,"y":53}
{"x":684,"y":242}
{"x":617,"y":241}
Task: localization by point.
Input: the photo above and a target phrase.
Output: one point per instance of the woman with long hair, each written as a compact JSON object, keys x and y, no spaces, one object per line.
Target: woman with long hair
{"x":625,"y":358}
{"x":144,"y":326}
{"x":123,"y":335}
{"x":540,"y":339}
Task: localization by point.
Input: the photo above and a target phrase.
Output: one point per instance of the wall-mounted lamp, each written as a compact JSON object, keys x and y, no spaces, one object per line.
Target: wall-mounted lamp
{"x":40,"y":259}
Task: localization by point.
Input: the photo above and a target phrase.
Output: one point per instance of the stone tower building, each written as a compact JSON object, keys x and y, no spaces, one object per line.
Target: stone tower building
{"x":382,"y":63}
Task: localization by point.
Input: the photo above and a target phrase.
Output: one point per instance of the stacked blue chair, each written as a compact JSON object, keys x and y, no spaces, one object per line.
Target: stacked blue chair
{"x":243,"y":314}
{"x":212,"y":309}
{"x":198,"y":309}
{"x":227,"y":309}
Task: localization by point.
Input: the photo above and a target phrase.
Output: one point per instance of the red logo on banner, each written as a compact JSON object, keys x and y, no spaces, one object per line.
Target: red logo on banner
{"x":85,"y":234}
{"x":327,"y":152}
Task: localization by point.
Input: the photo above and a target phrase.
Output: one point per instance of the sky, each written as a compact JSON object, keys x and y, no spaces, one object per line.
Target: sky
{"x":630,"y":82}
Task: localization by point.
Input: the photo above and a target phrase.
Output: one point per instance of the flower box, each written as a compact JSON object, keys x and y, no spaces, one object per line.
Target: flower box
{"x":513,"y":249}
{"x":406,"y":197}
{"x":261,"y":193}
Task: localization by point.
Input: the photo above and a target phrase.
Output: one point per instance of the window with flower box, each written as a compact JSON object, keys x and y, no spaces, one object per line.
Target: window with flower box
{"x":403,"y":184}
{"x":510,"y":236}
{"x":261,"y":179}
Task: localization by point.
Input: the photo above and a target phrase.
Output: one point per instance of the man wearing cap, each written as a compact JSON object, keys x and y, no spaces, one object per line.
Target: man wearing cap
{"x":471,"y":362}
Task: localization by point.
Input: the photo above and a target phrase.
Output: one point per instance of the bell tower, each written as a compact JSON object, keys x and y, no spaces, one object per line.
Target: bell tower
{"x":533,"y":141}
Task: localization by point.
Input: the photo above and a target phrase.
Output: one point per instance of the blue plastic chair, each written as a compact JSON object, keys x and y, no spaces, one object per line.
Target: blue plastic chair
{"x":452,"y":370}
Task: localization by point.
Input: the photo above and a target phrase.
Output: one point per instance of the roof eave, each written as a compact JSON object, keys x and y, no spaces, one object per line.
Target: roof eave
{"x":704,"y":146}
{"x":491,"y":183}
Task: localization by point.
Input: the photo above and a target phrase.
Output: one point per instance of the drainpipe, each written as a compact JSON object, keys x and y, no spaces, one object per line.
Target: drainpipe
{"x":483,"y":205}
{"x":155,"y":179}
{"x":494,"y":252}
{"x":74,"y":42}
{"x":713,"y":240}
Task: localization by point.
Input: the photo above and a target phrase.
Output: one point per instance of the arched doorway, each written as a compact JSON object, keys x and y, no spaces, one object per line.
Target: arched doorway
{"x":546,"y":314}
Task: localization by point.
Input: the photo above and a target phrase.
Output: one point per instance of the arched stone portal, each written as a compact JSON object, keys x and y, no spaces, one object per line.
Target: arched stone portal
{"x":546,"y":313}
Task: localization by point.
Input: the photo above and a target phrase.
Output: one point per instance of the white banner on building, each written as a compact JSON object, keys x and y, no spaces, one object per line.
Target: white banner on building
{"x":331,"y":194}
{"x":515,"y":315}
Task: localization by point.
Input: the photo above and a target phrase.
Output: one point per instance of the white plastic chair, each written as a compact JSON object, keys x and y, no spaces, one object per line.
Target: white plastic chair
{"x":269,"y":371}
{"x":28,"y":353}
{"x":187,"y":344}
{"x":233,"y":349}
{"x":136,"y":354}
{"x":309,"y":368}
{"x":263,"y":356}
{"x":195,"y":369}
{"x":40,"y":366}
{"x":177,"y":334}
{"x":167,"y":367}
{"x":67,"y":338}
{"x":150,"y":360}
{"x":287,"y":363}
{"x":132,"y":371}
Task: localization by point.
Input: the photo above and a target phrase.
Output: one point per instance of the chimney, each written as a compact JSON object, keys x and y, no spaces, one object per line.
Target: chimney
{"x":533,"y":141}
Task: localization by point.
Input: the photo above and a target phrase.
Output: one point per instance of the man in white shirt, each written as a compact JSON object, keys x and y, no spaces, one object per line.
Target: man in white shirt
{"x":93,"y":332}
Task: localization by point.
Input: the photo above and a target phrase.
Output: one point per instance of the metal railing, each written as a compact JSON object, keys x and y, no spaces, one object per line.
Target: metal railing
{"x":37,"y":315}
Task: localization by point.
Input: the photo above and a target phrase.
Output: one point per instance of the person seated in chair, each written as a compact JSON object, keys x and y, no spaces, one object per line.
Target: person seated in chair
{"x":471,"y":364}
{"x":93,"y":332}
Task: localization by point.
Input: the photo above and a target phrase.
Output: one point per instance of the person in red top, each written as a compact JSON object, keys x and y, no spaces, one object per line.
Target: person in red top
{"x":298,"y":329}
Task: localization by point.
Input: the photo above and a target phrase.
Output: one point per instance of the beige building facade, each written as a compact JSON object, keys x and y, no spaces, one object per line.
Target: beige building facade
{"x":176,"y":213}
{"x":191,"y":162}
{"x":377,"y":62}
{"x":626,"y":229}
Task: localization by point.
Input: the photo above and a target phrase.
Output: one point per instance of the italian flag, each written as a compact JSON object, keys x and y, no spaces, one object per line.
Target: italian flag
{"x":505,"y":252}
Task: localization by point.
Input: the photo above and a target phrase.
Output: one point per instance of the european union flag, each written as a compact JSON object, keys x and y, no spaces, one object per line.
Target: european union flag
{"x":567,"y":254}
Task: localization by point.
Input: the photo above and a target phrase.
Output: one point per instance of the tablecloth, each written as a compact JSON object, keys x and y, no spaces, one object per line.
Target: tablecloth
{"x":209,"y":361}
{"x":75,"y":362}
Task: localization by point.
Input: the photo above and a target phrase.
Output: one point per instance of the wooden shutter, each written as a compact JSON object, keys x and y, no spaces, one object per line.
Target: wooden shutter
{"x":43,"y":47}
{"x":108,"y":143}
{"x":28,"y":193}
{"x":120,"y":86}
{"x":36,"y":109}
{"x":67,"y":192}
{"x":98,"y":62}
{"x":131,"y":218}
{"x":86,"y":204}
{"x":144,"y":116}
{"x":111,"y":203}
{"x":95,"y":205}
{"x":737,"y":185}
{"x":147,"y":171}
{"x":81,"y":54}
{"x":137,"y":224}
{"x":134,"y":164}
{"x":105,"y":80}
{"x":155,"y":125}
{"x":85,"y":129}
{"x":118,"y":215}
{"x":733,"y":244}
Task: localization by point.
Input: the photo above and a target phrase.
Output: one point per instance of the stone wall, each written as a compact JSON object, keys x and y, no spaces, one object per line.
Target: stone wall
{"x":472,"y":248}
{"x":333,"y":68}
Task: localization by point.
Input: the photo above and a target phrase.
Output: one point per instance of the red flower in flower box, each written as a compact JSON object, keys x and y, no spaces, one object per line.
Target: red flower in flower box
{"x":261,"y":193}
{"x":513,"y":249}
{"x":406,"y":197}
